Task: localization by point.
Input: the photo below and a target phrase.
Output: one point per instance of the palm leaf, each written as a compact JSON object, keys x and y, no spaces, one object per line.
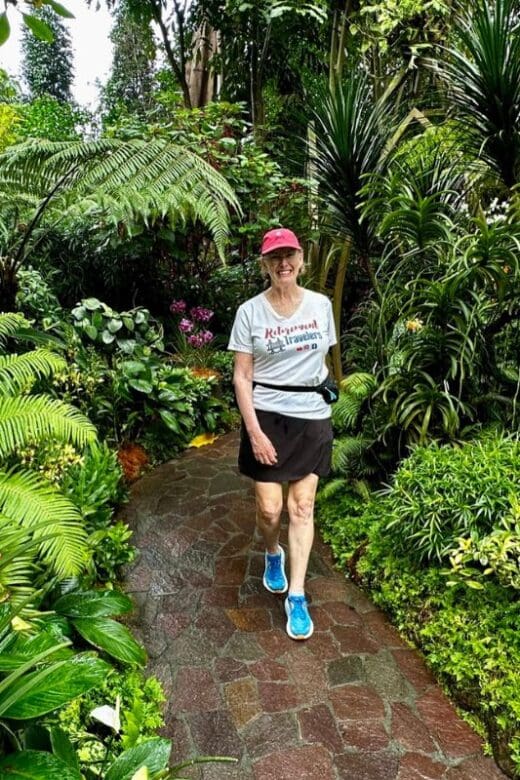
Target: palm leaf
{"x":24,"y":419}
{"x":10,"y":323}
{"x":29,"y":501}
{"x":16,"y":371}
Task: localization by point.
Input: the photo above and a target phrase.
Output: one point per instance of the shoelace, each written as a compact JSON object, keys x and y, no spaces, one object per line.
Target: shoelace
{"x":298,"y":607}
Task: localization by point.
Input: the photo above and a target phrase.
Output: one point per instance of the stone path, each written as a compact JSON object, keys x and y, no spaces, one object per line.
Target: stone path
{"x":351,"y":702}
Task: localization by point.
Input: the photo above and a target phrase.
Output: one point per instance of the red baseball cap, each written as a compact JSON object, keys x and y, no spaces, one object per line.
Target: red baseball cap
{"x":279,"y":238}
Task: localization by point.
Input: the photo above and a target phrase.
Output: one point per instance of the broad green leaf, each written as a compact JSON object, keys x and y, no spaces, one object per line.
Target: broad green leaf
{"x":112,"y":637}
{"x":91,"y":303}
{"x":4,"y":28}
{"x":63,"y":748}
{"x":39,"y":28}
{"x":153,"y":754}
{"x":91,"y":332}
{"x":107,"y":337}
{"x":60,"y":9}
{"x":93,"y":603}
{"x":133,"y":367}
{"x":170,"y":420}
{"x":141,"y":385}
{"x":114,"y":325}
{"x":128,"y":322}
{"x":34,"y":765}
{"x":40,"y":692}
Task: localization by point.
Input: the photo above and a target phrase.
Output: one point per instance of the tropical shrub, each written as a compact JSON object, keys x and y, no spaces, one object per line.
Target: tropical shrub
{"x":111,"y":331}
{"x":439,"y":494}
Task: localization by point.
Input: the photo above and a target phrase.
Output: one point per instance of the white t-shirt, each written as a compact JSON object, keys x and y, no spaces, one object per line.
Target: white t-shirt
{"x":286,"y":351}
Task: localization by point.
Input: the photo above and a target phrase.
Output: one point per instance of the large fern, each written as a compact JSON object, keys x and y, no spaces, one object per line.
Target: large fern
{"x":26,"y":418}
{"x":28,"y":500}
{"x":120,"y":181}
{"x":355,"y":390}
{"x":17,"y":371}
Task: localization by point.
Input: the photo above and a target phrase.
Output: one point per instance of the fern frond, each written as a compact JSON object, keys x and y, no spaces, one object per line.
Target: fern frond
{"x":10,"y":323}
{"x":349,"y":455}
{"x":26,"y":418}
{"x":355,"y":390}
{"x":31,"y":502}
{"x":330,"y":489}
{"x":16,"y":371}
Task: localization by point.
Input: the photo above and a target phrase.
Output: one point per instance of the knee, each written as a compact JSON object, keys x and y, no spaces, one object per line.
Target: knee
{"x":301,"y":511}
{"x":269,"y":512}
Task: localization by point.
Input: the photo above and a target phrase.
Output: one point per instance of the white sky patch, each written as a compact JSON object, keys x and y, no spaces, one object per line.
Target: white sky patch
{"x":89,"y":31}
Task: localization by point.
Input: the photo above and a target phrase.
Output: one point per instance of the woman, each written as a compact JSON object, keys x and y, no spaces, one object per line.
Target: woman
{"x":280,"y":339}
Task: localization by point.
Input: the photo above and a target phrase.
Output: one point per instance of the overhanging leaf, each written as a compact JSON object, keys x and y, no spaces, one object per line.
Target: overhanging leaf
{"x":39,"y":28}
{"x":112,"y":637}
{"x":93,"y":603}
{"x":35,"y":765}
{"x":4,"y":28}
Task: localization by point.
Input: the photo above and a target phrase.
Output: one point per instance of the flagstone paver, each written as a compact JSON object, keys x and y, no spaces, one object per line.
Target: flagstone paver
{"x":352,"y":702}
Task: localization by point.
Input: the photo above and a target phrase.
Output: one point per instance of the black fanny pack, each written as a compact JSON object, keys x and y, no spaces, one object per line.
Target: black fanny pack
{"x":328,"y":389}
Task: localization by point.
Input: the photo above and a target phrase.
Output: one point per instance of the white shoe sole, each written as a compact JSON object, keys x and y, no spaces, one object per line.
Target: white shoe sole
{"x":288,"y":626}
{"x":266,"y":586}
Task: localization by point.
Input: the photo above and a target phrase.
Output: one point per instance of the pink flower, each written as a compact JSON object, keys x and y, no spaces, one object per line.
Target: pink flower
{"x":185,"y":326}
{"x":195,"y":340}
{"x":200,"y":314}
{"x":206,"y":336}
{"x":177,"y":307}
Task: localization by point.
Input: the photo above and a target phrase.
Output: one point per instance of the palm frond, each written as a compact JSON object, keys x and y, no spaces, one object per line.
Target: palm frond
{"x":355,"y":390}
{"x":350,"y":456}
{"x":24,"y":419}
{"x":16,"y":371}
{"x":29,"y":501}
{"x":123,"y":181}
{"x":10,"y":324}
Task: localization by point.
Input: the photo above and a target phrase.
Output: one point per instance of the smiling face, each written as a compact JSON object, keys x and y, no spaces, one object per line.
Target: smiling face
{"x":283,"y":266}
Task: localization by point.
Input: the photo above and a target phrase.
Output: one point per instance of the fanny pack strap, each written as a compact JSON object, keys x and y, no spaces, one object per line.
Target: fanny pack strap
{"x":291,"y":388}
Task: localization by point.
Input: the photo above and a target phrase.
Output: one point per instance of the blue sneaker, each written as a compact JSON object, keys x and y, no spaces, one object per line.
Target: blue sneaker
{"x":275,"y":580}
{"x":299,"y":622}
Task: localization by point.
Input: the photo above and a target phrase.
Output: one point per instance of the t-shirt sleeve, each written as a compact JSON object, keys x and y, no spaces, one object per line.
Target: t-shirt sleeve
{"x":331,"y":326}
{"x":240,"y":339}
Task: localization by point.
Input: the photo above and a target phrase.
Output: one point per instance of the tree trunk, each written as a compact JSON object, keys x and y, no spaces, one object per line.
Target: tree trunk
{"x":201,"y":84}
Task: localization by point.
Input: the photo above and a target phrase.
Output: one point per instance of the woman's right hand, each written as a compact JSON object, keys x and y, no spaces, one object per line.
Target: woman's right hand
{"x":263,"y":449}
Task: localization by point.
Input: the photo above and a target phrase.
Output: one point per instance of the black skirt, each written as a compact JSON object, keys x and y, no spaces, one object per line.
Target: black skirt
{"x":303,"y":447}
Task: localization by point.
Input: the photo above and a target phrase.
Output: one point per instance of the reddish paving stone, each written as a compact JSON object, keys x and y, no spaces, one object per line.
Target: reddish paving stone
{"x":323,"y":646}
{"x":194,"y":690}
{"x":353,"y":639}
{"x":356,"y":702}
{"x":173,"y":624}
{"x":409,"y":730}
{"x":242,"y":701}
{"x":228,"y":669}
{"x":317,"y":724}
{"x":342,"y":613}
{"x":321,"y":619}
{"x":367,"y":766}
{"x":383,"y":631}
{"x":274,"y":643}
{"x":412,"y":665}
{"x":308,"y":677}
{"x":476,"y":769}
{"x":415,"y":766}
{"x":454,"y":736}
{"x":305,"y":763}
{"x":326,"y":589}
{"x":221,"y":597}
{"x":250,"y":620}
{"x":214,"y":734}
{"x":277,"y":696}
{"x":268,"y":670}
{"x":214,"y":626}
{"x":230,"y":571}
{"x":237,"y":544}
{"x":270,"y":733}
{"x":369,"y":735}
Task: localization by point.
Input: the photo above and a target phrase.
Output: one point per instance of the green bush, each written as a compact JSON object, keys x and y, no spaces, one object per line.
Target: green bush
{"x":441,"y":493}
{"x":113,"y":331}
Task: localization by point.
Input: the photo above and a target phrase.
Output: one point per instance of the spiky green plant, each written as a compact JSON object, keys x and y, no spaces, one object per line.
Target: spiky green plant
{"x":482,"y":72}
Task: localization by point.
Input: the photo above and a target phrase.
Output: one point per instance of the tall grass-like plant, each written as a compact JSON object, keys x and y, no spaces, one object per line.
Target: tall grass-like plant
{"x":482,"y":72}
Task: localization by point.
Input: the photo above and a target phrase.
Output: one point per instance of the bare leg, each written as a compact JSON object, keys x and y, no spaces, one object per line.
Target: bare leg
{"x":269,"y":502}
{"x":300,"y":505}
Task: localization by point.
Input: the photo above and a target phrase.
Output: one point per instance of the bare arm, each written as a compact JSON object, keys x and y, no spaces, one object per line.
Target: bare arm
{"x":263,"y":449}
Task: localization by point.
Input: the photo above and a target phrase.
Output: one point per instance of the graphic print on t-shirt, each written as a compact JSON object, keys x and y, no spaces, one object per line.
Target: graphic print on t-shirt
{"x":302,"y":337}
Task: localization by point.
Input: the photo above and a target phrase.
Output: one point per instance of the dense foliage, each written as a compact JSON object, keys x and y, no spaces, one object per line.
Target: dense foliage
{"x":387,"y":136}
